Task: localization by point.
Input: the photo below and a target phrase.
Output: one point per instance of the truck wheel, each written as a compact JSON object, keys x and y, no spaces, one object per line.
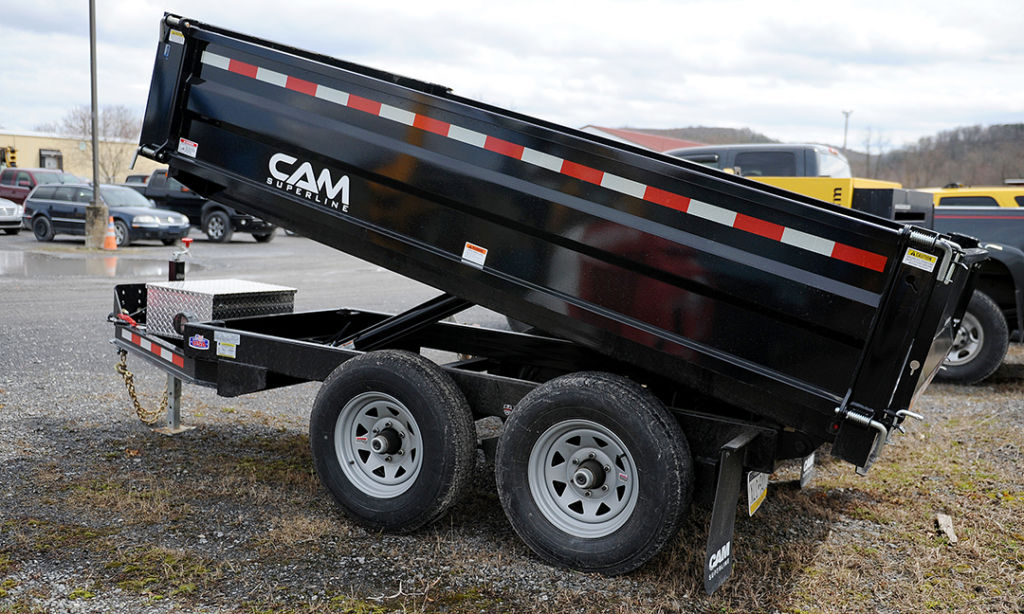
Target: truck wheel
{"x":392,"y":439}
{"x":122,"y":233}
{"x":42,"y":229}
{"x":263,"y":237}
{"x":217,"y":227}
{"x":980,"y":344}
{"x":593,"y":473}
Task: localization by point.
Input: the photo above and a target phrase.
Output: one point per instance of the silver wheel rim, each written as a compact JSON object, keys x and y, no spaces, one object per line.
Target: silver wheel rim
{"x":362,"y":423}
{"x":575,"y":448}
{"x":120,"y":233}
{"x":215,"y":227}
{"x":969,"y":340}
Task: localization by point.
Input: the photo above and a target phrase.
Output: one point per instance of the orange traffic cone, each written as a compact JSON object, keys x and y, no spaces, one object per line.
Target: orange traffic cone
{"x":110,"y":241}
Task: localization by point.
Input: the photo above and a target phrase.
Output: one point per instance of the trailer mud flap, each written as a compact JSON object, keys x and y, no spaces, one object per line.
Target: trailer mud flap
{"x":718,"y":557}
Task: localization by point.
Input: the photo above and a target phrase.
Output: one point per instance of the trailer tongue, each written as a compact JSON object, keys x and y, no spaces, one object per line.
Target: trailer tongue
{"x":697,"y":325}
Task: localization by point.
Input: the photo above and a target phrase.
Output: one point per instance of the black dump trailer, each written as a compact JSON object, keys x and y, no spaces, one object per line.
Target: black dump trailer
{"x":690,"y":328}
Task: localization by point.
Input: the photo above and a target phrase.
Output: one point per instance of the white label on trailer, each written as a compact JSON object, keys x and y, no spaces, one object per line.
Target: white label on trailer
{"x":177,"y":37}
{"x":920,"y":260}
{"x":227,"y":343}
{"x":226,"y":337}
{"x":474,"y":255}
{"x":187,"y":147}
{"x":227,"y":350}
{"x":757,"y":489}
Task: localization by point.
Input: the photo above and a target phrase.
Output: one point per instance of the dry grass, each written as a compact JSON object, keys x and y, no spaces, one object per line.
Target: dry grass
{"x":133,"y":512}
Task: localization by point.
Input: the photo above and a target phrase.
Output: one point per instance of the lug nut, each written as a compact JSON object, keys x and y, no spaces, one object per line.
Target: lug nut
{"x":586,"y":494}
{"x":607,"y":469}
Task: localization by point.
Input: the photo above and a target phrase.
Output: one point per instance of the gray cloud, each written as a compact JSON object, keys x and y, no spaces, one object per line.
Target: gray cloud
{"x":786,"y":68}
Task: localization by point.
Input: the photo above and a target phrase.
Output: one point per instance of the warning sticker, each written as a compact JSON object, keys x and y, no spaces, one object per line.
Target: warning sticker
{"x":227,"y":343}
{"x":920,"y":260}
{"x":757,"y":488}
{"x":474,"y":255}
{"x":177,"y":37}
{"x":187,"y":147}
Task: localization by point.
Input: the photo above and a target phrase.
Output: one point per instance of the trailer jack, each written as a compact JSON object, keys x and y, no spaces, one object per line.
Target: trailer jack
{"x":170,"y":401}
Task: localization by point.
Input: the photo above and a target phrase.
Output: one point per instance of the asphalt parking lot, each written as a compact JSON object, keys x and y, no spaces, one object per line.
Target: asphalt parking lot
{"x":98,"y":513}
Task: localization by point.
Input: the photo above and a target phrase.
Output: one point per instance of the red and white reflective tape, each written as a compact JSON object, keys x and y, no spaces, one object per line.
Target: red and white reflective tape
{"x":157,"y":349}
{"x":622,"y":185}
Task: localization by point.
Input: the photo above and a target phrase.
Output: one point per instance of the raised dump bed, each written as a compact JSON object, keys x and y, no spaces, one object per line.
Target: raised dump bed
{"x":759,"y":322}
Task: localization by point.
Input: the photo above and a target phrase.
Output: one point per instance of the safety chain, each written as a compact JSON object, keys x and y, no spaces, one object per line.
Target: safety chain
{"x":147,"y":417}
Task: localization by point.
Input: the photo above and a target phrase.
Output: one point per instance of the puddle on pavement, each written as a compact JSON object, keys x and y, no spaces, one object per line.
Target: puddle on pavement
{"x":34,"y":264}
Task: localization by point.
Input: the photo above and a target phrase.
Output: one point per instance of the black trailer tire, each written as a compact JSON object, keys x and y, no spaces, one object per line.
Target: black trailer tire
{"x":42,"y":229}
{"x":393,"y":440}
{"x":980,"y":345}
{"x":263,"y":237}
{"x":122,"y":233}
{"x":604,"y":435}
{"x":217,"y":227}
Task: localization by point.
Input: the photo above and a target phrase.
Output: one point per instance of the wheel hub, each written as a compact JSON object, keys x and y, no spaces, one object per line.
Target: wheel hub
{"x":387,"y":441}
{"x":969,"y":339}
{"x":589,"y":475}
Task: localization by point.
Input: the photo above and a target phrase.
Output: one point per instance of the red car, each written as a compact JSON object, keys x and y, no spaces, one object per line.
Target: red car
{"x":16,"y":183}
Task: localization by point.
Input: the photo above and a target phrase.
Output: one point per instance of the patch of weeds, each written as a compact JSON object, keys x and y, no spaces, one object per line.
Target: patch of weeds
{"x":81,"y":593}
{"x":475,"y":596}
{"x":60,"y":538}
{"x":7,"y":564}
{"x":160,"y":572}
{"x":346,"y":605}
{"x":23,"y":605}
{"x":869,"y":514}
{"x":148,"y":500}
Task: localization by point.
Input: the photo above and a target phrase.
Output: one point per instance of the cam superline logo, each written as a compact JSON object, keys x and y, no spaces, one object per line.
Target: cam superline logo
{"x":288,"y":174}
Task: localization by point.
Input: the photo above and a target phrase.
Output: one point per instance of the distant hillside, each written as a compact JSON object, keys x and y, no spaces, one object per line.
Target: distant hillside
{"x":711,"y":136}
{"x":975,"y":155}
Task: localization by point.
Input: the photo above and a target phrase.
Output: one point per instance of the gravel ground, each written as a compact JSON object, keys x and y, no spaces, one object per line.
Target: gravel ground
{"x":100,"y":514}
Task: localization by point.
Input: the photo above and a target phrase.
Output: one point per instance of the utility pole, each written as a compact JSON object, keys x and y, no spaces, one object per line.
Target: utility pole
{"x":95,"y":212}
{"x":846,"y":127}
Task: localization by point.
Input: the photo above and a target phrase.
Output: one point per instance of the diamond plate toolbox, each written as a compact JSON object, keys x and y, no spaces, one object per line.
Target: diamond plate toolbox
{"x":212,"y":299}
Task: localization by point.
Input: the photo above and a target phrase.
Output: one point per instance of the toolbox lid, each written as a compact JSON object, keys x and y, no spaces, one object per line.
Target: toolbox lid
{"x":219,"y":287}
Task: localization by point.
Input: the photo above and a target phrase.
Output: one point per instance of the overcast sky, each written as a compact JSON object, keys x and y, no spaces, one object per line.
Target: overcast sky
{"x":786,"y":69}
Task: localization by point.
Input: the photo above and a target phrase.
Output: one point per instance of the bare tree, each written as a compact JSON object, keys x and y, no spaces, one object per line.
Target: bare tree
{"x":118,"y":126}
{"x":867,"y":153}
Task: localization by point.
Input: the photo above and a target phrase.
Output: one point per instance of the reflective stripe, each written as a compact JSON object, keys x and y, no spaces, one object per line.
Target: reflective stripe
{"x":622,"y":185}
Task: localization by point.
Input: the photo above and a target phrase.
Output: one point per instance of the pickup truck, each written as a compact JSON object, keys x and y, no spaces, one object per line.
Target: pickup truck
{"x":995,"y":314}
{"x":217,"y":220}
